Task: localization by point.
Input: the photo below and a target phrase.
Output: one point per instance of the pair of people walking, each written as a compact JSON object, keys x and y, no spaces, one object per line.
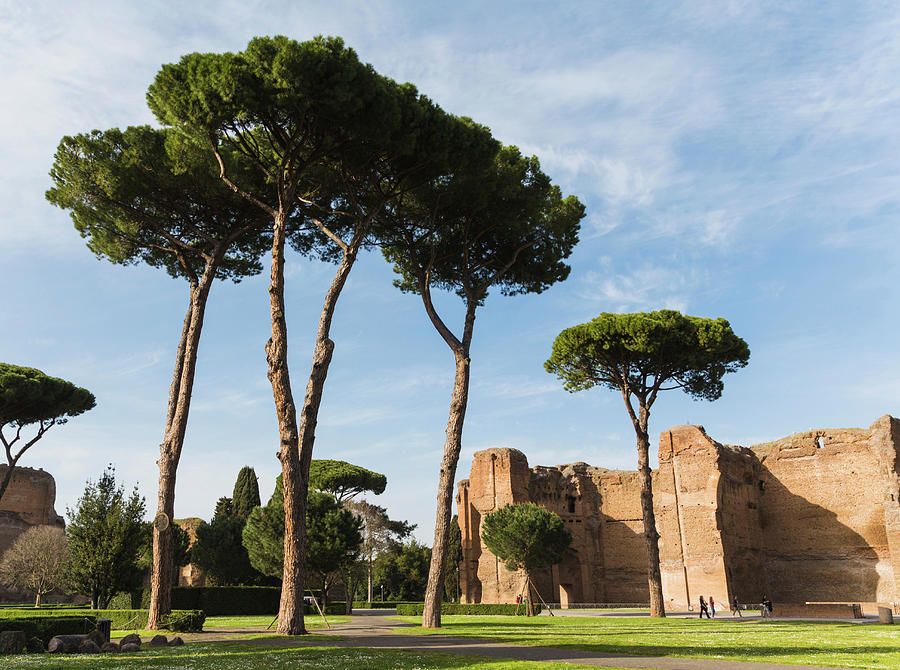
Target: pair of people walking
{"x":709,"y":610}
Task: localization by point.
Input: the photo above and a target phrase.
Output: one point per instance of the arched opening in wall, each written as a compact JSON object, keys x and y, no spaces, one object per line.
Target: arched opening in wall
{"x":571,"y":501}
{"x":820,"y":442}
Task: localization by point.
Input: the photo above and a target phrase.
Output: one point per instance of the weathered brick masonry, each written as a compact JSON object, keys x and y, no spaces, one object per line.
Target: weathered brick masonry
{"x":814,"y":517}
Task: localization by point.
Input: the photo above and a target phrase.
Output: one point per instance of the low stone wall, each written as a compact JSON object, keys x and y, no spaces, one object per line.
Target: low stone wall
{"x":818,"y":610}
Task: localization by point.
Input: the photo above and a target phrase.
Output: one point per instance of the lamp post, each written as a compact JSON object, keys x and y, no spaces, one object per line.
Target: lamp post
{"x":382,"y":593}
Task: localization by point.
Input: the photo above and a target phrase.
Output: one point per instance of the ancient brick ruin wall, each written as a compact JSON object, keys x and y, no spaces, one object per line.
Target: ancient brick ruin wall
{"x":812,"y":517}
{"x":604,"y":563}
{"x":827,"y":505}
{"x":28,"y":501}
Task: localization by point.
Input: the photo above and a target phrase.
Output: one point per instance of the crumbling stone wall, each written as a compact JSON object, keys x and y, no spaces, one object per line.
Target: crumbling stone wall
{"x":812,"y":517}
{"x":28,"y":501}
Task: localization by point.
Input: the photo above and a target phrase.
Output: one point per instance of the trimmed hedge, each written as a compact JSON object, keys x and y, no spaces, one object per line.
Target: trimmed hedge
{"x":45,"y":627}
{"x":213,"y":600}
{"x":185,"y":621}
{"x":415,"y":609}
{"x":218,"y":600}
{"x":122,"y":619}
{"x":379,"y":605}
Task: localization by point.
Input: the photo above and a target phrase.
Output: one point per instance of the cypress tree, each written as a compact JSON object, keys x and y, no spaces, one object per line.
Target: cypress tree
{"x":246,"y":493}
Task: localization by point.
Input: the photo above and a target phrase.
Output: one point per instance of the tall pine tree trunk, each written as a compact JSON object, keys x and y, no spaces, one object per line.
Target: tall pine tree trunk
{"x":290,"y":612}
{"x":295,"y":465}
{"x":162,"y":571}
{"x":651,"y":536}
{"x":431,"y":616}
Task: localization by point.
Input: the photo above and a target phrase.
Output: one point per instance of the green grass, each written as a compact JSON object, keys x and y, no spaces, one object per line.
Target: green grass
{"x":254,"y":623}
{"x":217,"y":656}
{"x":835,"y":644}
{"x":264,"y":620}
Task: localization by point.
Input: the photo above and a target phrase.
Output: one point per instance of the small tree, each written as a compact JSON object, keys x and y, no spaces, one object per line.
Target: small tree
{"x":380,"y":534}
{"x":28,"y":396}
{"x":403,"y":571}
{"x":36,"y":561}
{"x":246,"y":493}
{"x":454,"y":557}
{"x":640,"y":355}
{"x":105,"y":532}
{"x":526,"y":537}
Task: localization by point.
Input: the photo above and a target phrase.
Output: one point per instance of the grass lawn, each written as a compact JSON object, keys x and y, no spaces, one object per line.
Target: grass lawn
{"x":835,"y":644}
{"x":216,"y":656}
{"x":255,"y":623}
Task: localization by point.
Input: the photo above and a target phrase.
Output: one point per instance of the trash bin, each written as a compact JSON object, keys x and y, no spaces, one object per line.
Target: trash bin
{"x":104,"y":627}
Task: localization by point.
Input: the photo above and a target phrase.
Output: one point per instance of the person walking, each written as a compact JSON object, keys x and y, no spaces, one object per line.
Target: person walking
{"x":768,"y":604}
{"x":763,"y":607}
{"x":703,"y":608}
{"x":712,"y":607}
{"x":736,"y":607}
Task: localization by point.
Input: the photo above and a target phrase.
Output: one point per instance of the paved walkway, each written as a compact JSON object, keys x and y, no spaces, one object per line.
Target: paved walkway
{"x":377,"y":632}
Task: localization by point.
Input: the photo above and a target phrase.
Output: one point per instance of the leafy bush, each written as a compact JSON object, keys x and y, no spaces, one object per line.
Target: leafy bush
{"x":415,"y":609}
{"x":62,"y":621}
{"x":45,"y":626}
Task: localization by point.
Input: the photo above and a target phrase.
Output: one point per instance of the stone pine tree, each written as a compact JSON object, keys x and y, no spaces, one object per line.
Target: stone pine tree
{"x":338,"y":142}
{"x":501,"y":225}
{"x":28,"y":397}
{"x":143,"y":195}
{"x":333,"y":541}
{"x":344,"y":480}
{"x":246,"y":493}
{"x":526,"y":537}
{"x":640,"y":355}
{"x":105,"y":533}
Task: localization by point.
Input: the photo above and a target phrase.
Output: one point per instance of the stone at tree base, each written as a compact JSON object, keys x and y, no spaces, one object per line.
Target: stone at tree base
{"x":12,"y":642}
{"x":88,"y":647}
{"x":885,"y":615}
{"x":59,"y":644}
{"x":129,"y":647}
{"x":131,"y":638}
{"x":34,"y":645}
{"x":176,"y":642}
{"x":109,"y":648}
{"x":158,"y":641}
{"x":96,"y":637}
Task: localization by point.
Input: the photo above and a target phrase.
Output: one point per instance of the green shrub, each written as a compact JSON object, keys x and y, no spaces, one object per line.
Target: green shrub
{"x":136,"y":619}
{"x":415,"y":609}
{"x":46,"y":626}
{"x":379,"y":605}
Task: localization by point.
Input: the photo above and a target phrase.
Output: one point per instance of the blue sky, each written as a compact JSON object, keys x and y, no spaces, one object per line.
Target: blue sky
{"x":736,"y":159}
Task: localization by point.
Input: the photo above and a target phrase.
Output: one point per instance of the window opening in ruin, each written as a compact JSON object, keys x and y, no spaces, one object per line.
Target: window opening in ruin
{"x":762,"y":485}
{"x":820,"y":442}
{"x":571,"y":504}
